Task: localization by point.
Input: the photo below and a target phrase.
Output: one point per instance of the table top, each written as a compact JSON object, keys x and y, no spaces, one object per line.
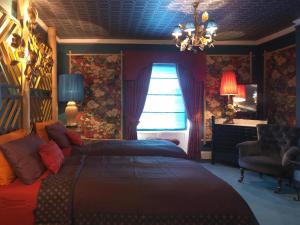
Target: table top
{"x":241,"y":122}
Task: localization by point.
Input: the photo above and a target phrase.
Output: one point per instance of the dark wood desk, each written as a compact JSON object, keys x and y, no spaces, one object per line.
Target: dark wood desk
{"x":225,"y":137}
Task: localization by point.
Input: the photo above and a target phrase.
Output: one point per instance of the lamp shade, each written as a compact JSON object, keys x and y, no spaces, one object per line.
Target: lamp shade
{"x":177,"y":32}
{"x":241,"y":93}
{"x":228,"y":84}
{"x":70,"y":87}
{"x":211,"y":27}
{"x":189,"y":27}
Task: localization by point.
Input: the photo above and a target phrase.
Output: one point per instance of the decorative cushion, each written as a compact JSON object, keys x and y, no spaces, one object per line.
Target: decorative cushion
{"x":22,"y":154}
{"x":52,"y":156}
{"x":57,"y":132}
{"x":74,"y":138}
{"x":40,"y":129}
{"x":6,"y":173}
{"x":67,"y":151}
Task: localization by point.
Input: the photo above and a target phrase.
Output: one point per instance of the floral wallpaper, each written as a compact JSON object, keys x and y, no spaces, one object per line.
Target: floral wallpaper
{"x":214,"y":102}
{"x":100,"y":113}
{"x":280,"y":88}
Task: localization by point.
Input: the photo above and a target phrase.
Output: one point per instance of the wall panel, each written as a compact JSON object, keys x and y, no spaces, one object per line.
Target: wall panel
{"x":100,"y":112}
{"x":280,"y":86}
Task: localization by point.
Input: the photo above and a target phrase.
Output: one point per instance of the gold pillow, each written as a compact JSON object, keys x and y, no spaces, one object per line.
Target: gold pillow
{"x":6,"y":173}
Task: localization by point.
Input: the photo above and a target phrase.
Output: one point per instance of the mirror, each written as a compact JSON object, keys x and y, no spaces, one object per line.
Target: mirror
{"x":246,"y":100}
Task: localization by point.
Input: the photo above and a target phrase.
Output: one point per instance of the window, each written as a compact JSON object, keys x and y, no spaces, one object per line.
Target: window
{"x":164,"y":108}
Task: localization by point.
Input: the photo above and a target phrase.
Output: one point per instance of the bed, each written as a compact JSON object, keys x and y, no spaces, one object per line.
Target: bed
{"x":132,"y":188}
{"x":132,"y":147}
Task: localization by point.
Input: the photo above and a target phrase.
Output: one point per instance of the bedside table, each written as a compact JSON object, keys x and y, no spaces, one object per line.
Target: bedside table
{"x":296,"y":178}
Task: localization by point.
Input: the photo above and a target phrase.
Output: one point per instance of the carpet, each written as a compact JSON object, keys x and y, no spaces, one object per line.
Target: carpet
{"x":268,"y":207}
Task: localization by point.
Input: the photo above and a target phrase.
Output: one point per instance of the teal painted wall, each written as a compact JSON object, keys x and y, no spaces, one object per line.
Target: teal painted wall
{"x":257,"y":63}
{"x":63,"y":49}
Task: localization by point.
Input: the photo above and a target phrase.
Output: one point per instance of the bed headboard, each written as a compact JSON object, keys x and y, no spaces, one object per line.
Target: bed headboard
{"x":12,"y":91}
{"x":12,"y":136}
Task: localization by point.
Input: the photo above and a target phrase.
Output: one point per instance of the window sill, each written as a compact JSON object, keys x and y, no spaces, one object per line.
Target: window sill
{"x":161,"y":131}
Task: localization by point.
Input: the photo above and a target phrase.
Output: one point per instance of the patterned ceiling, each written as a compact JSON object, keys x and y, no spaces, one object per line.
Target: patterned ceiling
{"x":155,"y":19}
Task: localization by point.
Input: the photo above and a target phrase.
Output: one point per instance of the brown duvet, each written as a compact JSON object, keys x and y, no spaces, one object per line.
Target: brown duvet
{"x":132,"y":147}
{"x":139,"y":190}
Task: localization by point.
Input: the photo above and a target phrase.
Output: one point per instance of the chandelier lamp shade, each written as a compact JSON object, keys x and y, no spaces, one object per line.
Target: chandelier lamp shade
{"x":228,"y":84}
{"x":195,"y":35}
{"x":71,"y":90}
{"x":241,"y":93}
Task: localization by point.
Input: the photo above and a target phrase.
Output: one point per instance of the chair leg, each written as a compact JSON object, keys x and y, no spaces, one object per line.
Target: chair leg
{"x":242,"y":175}
{"x":278,"y":189}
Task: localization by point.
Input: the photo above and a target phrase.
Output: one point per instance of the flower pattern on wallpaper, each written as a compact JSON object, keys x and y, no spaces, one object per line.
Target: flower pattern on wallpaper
{"x":280,"y":78}
{"x":217,"y":64}
{"x":100,"y":113}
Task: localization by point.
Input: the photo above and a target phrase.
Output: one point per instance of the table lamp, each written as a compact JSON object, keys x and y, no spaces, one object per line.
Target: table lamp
{"x":229,"y":87}
{"x":70,"y":89}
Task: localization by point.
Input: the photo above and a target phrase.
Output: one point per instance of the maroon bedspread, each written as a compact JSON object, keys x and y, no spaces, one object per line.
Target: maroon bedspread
{"x":138,"y":190}
{"x":133,"y":147}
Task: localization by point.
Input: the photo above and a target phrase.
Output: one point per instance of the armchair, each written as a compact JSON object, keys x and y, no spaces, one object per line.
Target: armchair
{"x":271,"y":153}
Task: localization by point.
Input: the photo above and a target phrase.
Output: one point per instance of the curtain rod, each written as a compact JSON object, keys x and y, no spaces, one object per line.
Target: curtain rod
{"x":90,"y":54}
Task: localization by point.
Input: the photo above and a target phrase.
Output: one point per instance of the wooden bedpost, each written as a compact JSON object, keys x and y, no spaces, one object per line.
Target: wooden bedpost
{"x":22,"y":6}
{"x":52,"y":43}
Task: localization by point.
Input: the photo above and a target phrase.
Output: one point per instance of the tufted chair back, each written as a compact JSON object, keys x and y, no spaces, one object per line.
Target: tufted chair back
{"x":275,"y":140}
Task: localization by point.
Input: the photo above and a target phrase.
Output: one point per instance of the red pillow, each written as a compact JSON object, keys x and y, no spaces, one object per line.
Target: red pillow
{"x":67,"y":152}
{"x":74,"y":138}
{"x":52,"y":156}
{"x":56,"y":132}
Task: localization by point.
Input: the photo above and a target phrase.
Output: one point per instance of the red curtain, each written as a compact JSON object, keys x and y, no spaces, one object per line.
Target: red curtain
{"x":136,"y":61}
{"x":136,"y":74}
{"x":192,"y":91}
{"x":135,"y":93}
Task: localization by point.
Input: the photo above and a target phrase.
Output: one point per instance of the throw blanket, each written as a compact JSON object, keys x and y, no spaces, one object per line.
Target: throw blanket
{"x":138,"y":190}
{"x":132,"y":147}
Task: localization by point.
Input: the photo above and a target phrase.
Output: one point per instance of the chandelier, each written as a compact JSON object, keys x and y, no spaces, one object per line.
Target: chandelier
{"x":194,"y":36}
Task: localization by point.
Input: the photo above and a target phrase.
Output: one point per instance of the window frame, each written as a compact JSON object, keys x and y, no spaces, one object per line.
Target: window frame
{"x":185,"y":116}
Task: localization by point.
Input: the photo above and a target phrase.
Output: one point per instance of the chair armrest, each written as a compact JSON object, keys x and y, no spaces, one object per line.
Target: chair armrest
{"x":248,"y":148}
{"x":290,"y":155}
